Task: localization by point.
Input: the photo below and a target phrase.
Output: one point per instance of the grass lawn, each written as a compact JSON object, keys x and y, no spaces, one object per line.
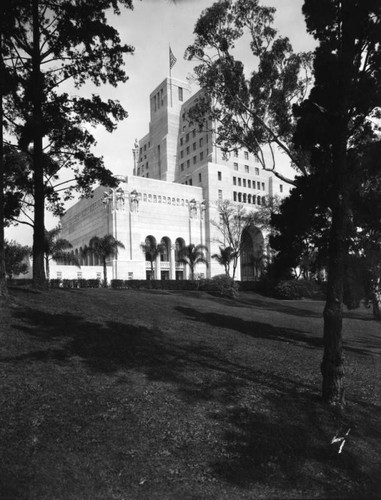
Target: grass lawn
{"x":181,"y":395}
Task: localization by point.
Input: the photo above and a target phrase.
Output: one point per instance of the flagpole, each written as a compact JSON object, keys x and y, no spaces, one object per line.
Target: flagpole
{"x":170,"y":74}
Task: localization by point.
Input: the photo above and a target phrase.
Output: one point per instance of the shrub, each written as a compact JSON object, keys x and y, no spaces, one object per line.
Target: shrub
{"x":287,"y":290}
{"x":55,"y":283}
{"x":119,"y":284}
{"x":66,"y":283}
{"x":222,"y":284}
{"x":93,"y":283}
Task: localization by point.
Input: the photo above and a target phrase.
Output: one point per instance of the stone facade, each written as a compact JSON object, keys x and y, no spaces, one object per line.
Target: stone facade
{"x":178,"y":178}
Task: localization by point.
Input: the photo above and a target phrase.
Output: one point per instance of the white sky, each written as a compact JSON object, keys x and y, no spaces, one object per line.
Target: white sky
{"x":150,"y":28}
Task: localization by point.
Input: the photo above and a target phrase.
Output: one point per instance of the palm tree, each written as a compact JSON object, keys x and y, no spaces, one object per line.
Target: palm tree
{"x":56,"y":249}
{"x":104,"y":248}
{"x":224,"y":258}
{"x":152,"y":251}
{"x":192,"y":255}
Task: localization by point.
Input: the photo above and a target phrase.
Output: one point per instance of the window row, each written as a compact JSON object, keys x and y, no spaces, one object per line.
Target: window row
{"x":249,"y":183}
{"x":194,"y":160}
{"x":248,"y":198}
{"x":187,"y":137}
{"x":246,"y":168}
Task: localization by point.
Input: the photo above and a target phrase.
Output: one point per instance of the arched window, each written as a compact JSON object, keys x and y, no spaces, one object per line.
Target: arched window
{"x":166,"y":242}
{"x":179,"y":244}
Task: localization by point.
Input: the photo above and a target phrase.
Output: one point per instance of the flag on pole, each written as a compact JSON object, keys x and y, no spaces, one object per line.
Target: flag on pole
{"x":172,"y":58}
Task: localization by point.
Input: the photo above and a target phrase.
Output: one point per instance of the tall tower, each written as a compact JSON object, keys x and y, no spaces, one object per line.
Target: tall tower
{"x":157,"y":156}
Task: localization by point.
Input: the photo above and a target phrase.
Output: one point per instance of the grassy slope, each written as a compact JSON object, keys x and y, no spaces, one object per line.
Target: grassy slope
{"x":139,"y":394}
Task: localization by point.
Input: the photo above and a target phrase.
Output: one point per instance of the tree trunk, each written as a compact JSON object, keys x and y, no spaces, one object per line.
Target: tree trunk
{"x":3,"y":281}
{"x":332,"y":366}
{"x":47,"y":267}
{"x":376,"y":301}
{"x":104,"y":272}
{"x":38,"y":170}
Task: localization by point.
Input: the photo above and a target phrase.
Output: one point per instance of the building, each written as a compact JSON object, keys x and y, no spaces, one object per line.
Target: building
{"x":170,"y":195}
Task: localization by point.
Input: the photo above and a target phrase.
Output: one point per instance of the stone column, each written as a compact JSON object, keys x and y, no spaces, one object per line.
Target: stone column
{"x":157,"y":268}
{"x":172,"y":263}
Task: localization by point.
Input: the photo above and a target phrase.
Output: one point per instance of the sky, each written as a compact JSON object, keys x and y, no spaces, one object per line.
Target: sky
{"x":151,"y":27}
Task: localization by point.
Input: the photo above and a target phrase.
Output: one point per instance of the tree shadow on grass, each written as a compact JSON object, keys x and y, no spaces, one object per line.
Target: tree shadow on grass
{"x":282,"y":440}
{"x":289,"y":448}
{"x":253,"y":329}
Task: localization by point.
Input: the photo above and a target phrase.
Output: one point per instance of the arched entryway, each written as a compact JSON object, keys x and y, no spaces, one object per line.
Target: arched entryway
{"x":149,"y":249}
{"x":165,"y":258}
{"x":180,"y":268}
{"x":253,"y":256}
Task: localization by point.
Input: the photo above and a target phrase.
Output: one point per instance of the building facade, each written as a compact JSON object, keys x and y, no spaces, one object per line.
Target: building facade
{"x":170,"y":196}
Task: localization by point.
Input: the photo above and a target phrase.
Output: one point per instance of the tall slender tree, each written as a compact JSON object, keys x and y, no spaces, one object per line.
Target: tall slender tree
{"x":233,"y":220}
{"x":249,"y":107}
{"x":57,"y":249}
{"x":192,"y":255}
{"x":224,"y":258}
{"x":332,"y":122}
{"x":60,"y":43}
{"x":152,"y":250}
{"x":104,"y":248}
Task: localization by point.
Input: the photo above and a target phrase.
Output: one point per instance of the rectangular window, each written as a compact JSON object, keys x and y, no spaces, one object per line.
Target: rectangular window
{"x":181,"y":141}
{"x":182,"y":153}
{"x":249,"y":183}
{"x":199,"y":177}
{"x":220,"y":194}
{"x":194,"y":160}
{"x":194,"y":146}
{"x":234,"y":181}
{"x":181,"y":94}
{"x":244,"y":182}
{"x":235,"y":166}
{"x":246,"y":154}
{"x":190,"y":182}
{"x":188,"y":150}
{"x":239,"y":181}
{"x":258,"y":185}
{"x":201,"y":155}
{"x":240,"y":197}
{"x":281,"y":188}
{"x":219,"y":176}
{"x":201,"y":142}
{"x":236,"y":153}
{"x":187,"y":138}
{"x":263,"y":186}
{"x":194,"y":132}
{"x":234,"y":195}
{"x":256,"y":171}
{"x":161,"y":96}
{"x":188,"y":163}
{"x":130,"y":276}
{"x":182,"y":167}
{"x":247,"y":169}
